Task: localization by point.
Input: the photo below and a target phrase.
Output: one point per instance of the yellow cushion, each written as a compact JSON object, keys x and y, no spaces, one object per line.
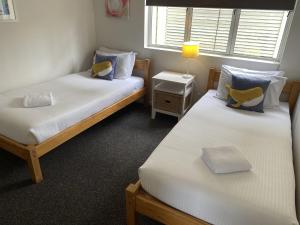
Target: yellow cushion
{"x":245,"y":96}
{"x":247,"y":93}
{"x":102,"y":69}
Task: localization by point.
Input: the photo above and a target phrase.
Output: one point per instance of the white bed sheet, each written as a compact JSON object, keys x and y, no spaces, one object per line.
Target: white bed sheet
{"x":176,"y":175}
{"x":77,"y":96}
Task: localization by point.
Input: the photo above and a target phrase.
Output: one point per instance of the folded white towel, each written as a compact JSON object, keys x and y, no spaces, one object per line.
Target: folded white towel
{"x":38,"y":100}
{"x":225,"y":160}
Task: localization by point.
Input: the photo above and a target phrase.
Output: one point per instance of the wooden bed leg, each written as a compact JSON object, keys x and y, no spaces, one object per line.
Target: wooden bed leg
{"x":34,"y":166}
{"x":131,"y":191}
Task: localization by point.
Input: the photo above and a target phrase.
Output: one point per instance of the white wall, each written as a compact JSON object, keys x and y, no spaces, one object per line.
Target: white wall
{"x":291,"y":58}
{"x":49,"y":39}
{"x":129,"y":34}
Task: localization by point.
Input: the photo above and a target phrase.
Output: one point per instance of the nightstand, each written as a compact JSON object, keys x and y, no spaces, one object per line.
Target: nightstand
{"x":171,"y":94}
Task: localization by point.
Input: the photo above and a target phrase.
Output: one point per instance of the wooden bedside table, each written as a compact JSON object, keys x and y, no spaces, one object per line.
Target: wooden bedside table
{"x":171,"y":94}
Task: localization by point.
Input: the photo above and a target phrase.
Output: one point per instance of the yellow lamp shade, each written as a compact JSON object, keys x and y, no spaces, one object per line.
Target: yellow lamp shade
{"x":190,"y":50}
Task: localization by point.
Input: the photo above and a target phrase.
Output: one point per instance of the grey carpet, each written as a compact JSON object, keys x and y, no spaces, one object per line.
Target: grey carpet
{"x":85,"y":178}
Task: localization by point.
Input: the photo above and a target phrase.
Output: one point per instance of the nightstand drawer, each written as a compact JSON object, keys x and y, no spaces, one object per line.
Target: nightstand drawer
{"x":167,"y":102}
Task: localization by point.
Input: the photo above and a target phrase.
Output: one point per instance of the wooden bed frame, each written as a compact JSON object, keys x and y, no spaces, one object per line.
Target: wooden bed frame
{"x":139,"y":201}
{"x":32,"y":153}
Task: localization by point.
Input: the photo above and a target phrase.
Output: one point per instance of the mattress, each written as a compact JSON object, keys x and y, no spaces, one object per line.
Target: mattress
{"x":77,"y":96}
{"x":176,"y":175}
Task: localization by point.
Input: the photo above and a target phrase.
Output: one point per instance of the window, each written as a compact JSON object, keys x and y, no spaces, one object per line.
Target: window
{"x":211,"y":28}
{"x":248,"y":33}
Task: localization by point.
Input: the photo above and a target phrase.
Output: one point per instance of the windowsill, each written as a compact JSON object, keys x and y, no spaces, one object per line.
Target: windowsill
{"x":272,"y":62}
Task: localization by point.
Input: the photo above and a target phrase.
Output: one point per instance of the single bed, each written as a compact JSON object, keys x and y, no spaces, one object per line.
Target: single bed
{"x":80,"y":102}
{"x":77,"y":96}
{"x":189,"y":193}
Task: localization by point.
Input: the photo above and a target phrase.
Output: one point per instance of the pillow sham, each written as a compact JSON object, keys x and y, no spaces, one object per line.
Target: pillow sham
{"x":104,"y":67}
{"x":109,"y":50}
{"x":123,"y":65}
{"x":274,"y":90}
{"x":125,"y":61}
{"x":247,"y":93}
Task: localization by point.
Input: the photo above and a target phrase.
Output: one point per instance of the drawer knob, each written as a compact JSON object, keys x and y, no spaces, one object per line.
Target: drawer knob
{"x":167,"y":101}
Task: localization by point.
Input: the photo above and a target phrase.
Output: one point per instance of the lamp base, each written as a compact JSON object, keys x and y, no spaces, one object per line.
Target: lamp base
{"x":187,"y":76}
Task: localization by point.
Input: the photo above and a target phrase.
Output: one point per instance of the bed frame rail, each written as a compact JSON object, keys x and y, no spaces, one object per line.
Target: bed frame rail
{"x":138,"y":201}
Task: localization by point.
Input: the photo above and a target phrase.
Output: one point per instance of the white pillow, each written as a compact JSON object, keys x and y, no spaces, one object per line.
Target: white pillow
{"x":274,"y":90}
{"x":123,"y":65}
{"x":125,"y":61}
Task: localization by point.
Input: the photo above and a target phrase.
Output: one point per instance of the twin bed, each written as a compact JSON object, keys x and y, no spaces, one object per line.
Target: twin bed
{"x":80,"y":102}
{"x":177,"y":188}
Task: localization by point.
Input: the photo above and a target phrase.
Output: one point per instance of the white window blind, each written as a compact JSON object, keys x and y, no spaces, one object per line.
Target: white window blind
{"x":249,"y":33}
{"x":259,"y":33}
{"x":175,"y":26}
{"x":211,"y":28}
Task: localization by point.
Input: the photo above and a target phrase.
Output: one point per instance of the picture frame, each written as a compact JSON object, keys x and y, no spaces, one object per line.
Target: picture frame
{"x":7,"y":11}
{"x":117,"y":8}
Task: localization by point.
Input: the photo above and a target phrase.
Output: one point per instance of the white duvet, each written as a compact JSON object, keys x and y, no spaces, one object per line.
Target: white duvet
{"x":76,"y":97}
{"x":176,"y":174}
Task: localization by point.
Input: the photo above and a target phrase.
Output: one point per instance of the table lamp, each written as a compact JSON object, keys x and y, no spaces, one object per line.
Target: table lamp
{"x":190,"y":50}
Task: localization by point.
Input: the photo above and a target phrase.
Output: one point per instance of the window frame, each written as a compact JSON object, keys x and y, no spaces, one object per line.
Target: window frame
{"x":231,"y":40}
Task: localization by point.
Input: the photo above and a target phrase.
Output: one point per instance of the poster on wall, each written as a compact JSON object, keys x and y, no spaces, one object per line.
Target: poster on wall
{"x":117,"y":8}
{"x":7,"y":12}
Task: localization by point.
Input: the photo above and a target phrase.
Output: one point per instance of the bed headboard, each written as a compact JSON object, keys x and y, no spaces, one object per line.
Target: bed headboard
{"x":291,"y":90}
{"x":142,"y":68}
